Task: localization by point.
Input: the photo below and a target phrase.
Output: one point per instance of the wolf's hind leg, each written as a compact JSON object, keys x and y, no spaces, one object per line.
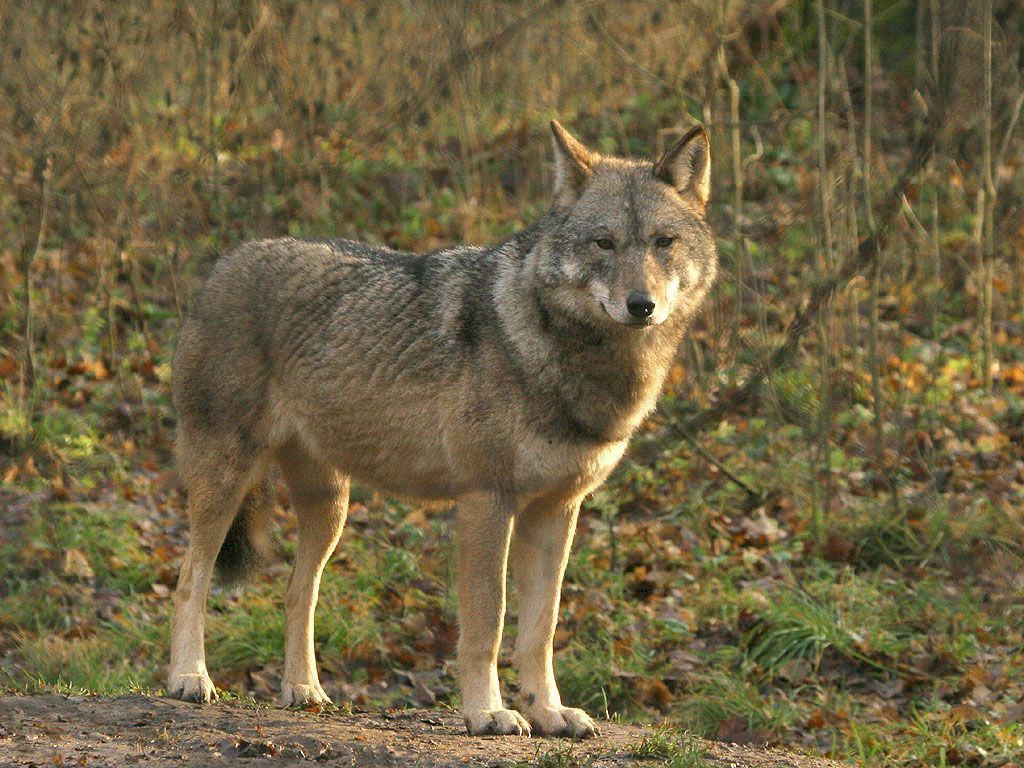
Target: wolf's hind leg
{"x":484,"y":522}
{"x":319,"y":497}
{"x":541,"y":542}
{"x":214,"y":497}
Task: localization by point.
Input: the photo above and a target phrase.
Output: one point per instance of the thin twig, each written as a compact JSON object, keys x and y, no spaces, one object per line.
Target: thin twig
{"x":623,"y":54}
{"x":489,"y":46}
{"x":988,"y":201}
{"x":915,"y":222}
{"x":820,"y":298}
{"x":1005,"y":144}
{"x":756,"y":495}
{"x":44,"y":171}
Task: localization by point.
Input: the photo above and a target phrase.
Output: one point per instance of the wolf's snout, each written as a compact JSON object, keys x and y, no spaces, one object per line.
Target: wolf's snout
{"x":640,"y":305}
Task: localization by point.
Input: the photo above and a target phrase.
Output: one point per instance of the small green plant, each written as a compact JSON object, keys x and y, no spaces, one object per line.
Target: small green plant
{"x":561,"y":757}
{"x":798,"y":629}
{"x":726,"y":694}
{"x":676,"y":749}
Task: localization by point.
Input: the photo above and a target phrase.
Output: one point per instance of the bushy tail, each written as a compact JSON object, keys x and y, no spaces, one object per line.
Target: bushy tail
{"x":248,"y":545}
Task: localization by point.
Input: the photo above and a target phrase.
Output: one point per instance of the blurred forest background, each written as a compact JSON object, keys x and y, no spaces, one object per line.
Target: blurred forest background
{"x":816,"y":541}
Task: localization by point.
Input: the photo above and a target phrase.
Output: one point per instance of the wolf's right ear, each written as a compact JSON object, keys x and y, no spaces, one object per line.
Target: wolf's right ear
{"x":574,"y":164}
{"x":686,"y":166}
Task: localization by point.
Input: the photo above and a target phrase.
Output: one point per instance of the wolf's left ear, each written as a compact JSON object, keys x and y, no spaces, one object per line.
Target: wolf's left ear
{"x":574,"y":164}
{"x":686,"y":166}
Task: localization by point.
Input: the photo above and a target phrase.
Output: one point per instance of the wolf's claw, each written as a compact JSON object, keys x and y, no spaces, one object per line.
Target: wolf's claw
{"x":561,"y":721}
{"x":298,"y":695}
{"x":197,"y":688}
{"x":496,"y":722}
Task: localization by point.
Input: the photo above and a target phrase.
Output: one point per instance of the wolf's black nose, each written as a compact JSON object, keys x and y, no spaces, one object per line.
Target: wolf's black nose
{"x":640,"y":305}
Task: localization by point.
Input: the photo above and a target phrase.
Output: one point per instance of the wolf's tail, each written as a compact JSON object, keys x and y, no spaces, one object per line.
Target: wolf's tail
{"x":248,"y":544}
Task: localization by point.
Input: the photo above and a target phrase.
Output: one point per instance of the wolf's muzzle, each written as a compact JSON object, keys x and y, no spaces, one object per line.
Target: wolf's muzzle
{"x":640,"y":305}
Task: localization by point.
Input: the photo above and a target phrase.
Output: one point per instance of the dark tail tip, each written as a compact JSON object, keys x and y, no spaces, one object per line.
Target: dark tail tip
{"x":237,"y":557}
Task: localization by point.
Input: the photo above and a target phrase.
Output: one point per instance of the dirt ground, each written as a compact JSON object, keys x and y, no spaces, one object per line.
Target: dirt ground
{"x":140,"y":730}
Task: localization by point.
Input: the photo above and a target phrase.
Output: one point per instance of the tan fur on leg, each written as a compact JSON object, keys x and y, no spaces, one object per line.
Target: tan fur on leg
{"x":212,"y":503}
{"x":484,"y":524}
{"x":319,"y":497}
{"x":541,"y":542}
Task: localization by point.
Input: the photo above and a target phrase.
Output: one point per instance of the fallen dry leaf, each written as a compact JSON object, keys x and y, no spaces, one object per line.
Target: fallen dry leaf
{"x":76,"y":565}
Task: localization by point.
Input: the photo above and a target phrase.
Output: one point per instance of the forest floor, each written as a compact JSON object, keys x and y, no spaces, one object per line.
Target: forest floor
{"x":142,"y":730}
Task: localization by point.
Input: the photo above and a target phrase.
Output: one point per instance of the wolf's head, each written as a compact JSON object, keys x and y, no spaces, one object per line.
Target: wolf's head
{"x":633,"y":246}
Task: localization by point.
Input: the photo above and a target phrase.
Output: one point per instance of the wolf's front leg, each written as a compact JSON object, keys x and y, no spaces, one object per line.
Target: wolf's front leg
{"x":484,"y":523}
{"x":540,"y":551}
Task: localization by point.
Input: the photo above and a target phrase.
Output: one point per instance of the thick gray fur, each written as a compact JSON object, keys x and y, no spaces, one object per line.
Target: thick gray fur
{"x":505,"y":378}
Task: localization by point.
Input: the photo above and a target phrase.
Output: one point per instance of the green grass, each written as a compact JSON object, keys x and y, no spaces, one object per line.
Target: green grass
{"x":593,"y":675}
{"x":848,"y":619}
{"x":670,"y":748}
{"x":727,"y":695}
{"x":101,"y":664}
{"x":559,"y":757}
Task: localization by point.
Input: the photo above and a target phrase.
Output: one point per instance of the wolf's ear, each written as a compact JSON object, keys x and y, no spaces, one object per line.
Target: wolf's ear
{"x":573,"y":165}
{"x":686,"y":166}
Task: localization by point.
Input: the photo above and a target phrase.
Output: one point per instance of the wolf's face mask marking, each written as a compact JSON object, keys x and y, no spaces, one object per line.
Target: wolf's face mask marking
{"x":634,"y":247}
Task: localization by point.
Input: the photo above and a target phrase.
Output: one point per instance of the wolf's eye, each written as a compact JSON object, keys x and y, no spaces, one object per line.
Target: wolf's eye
{"x":664,"y":242}
{"x":605,"y":243}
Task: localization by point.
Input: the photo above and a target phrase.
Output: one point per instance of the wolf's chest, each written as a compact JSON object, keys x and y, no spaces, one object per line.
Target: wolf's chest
{"x":546,"y":466}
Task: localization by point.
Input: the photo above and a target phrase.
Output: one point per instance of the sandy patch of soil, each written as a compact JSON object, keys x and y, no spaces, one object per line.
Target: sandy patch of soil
{"x":146,"y":731}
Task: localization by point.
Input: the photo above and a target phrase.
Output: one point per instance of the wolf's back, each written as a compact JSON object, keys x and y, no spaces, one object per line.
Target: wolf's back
{"x":330,"y":331}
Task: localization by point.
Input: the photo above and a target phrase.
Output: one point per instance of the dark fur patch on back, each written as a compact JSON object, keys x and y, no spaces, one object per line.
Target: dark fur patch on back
{"x":468,"y":331}
{"x":413,"y":265}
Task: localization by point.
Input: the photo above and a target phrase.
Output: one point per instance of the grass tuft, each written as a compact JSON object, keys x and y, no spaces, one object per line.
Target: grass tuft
{"x":561,"y":757}
{"x":675,"y":749}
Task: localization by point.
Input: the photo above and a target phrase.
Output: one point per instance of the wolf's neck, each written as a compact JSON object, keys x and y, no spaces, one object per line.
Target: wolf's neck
{"x":615,"y":373}
{"x":591,"y":383}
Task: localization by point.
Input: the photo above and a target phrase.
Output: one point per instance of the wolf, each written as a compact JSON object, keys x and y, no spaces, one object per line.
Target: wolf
{"x":506,"y":379}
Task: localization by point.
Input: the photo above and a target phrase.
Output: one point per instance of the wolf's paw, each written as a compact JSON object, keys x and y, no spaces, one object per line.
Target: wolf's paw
{"x":497,"y":722}
{"x":298,"y":695}
{"x":561,"y":721}
{"x":192,"y":687}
